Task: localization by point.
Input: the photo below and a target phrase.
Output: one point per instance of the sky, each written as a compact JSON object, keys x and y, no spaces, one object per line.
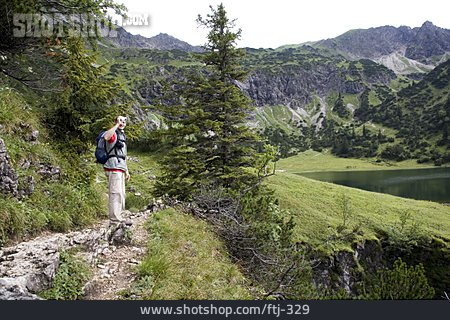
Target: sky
{"x":273,"y":23}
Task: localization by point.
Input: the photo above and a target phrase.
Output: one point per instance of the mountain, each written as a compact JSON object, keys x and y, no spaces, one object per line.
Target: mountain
{"x":326,"y":93}
{"x":404,"y":49}
{"x":316,"y":95}
{"x":161,"y":41}
{"x":419,"y":112}
{"x":293,"y":78}
{"x":429,"y":41}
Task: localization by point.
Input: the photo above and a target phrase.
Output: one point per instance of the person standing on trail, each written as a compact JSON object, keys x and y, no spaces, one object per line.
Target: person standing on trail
{"x":116,"y":169}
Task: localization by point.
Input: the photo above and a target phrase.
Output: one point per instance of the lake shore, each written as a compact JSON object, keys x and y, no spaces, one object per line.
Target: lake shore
{"x":313,"y":161}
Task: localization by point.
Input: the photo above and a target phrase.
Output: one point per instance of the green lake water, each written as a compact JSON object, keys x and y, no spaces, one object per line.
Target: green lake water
{"x":422,"y":184}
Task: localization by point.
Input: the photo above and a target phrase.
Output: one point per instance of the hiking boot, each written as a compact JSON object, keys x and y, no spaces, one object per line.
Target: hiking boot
{"x":114,"y":223}
{"x":127,"y":222}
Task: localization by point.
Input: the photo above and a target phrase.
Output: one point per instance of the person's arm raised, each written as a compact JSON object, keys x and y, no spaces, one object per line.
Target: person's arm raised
{"x":111,"y":131}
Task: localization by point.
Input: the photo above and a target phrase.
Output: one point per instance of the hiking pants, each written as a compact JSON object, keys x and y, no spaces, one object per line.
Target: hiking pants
{"x":116,"y":194}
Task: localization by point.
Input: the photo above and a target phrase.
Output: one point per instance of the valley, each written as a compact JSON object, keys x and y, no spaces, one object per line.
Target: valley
{"x":223,"y":144}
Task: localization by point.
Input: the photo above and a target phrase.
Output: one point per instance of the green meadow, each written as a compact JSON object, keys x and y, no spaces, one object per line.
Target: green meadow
{"x":324,"y":161}
{"x":333,"y":217}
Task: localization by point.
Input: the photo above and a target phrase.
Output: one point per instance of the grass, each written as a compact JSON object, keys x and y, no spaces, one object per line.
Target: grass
{"x":400,"y":82}
{"x":351,"y":98}
{"x":316,"y":206}
{"x":179,"y":63}
{"x":275,"y":116}
{"x":53,"y":205}
{"x":343,"y":64}
{"x":142,"y":168}
{"x":69,"y":280}
{"x":324,"y":161}
{"x":373,"y":98}
{"x":374,"y":128}
{"x":186,"y":260}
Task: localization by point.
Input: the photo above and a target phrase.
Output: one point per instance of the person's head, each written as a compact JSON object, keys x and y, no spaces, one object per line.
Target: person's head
{"x":122,"y":121}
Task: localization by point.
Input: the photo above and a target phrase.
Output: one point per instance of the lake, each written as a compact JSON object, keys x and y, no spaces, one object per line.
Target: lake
{"x":422,"y":184}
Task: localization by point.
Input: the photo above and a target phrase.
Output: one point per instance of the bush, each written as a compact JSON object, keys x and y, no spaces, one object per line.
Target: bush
{"x":400,"y":282}
{"x":423,"y":159}
{"x":259,"y":234}
{"x":395,"y":152}
{"x":438,"y":162}
{"x":405,"y":235}
{"x":271,"y":225}
{"x":70,"y":278}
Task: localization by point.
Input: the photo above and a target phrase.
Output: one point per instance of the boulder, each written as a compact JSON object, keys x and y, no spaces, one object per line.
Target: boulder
{"x":30,"y":267}
{"x":8,"y":178}
{"x":49,"y":172}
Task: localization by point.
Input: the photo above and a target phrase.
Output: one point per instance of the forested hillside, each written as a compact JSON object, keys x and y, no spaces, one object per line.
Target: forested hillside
{"x":312,"y":98}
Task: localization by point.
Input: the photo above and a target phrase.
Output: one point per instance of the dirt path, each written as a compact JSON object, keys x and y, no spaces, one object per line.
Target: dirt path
{"x":115,"y":267}
{"x":30,"y":266}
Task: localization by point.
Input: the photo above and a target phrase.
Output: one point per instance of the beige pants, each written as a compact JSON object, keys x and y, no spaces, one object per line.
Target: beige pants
{"x":116,"y":194}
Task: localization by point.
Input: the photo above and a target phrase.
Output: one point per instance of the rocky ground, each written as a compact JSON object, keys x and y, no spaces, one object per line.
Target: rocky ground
{"x":114,"y":268}
{"x":113,"y":253}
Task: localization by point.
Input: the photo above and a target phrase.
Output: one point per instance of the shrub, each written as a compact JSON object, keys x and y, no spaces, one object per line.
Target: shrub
{"x":395,"y":152}
{"x":259,"y":235}
{"x":70,"y":278}
{"x":400,"y":282}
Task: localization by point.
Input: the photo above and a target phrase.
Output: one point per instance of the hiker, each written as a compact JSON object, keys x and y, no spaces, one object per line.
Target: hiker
{"x":116,"y":169}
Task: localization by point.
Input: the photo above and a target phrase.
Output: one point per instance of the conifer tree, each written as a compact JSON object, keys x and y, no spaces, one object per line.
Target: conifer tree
{"x":363,"y":112}
{"x":213,"y":145}
{"x":364,"y":131}
{"x":339,"y":107}
{"x":84,"y":106}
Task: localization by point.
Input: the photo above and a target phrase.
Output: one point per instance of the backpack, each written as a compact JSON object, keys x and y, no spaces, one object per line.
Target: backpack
{"x":100,"y":149}
{"x":101,"y":154}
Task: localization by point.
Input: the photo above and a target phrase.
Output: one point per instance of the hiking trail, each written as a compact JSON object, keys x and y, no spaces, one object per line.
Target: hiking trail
{"x":30,"y":266}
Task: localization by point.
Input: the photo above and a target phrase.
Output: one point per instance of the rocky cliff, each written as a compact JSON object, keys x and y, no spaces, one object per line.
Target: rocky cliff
{"x":289,"y":77}
{"x":295,"y":86}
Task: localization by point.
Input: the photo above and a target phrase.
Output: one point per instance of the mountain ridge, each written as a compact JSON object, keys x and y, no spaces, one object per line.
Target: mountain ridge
{"x":404,"y":49}
{"x":162,"y":41}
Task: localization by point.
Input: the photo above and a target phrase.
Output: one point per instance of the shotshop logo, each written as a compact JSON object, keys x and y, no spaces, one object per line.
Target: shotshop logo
{"x":73,"y":25}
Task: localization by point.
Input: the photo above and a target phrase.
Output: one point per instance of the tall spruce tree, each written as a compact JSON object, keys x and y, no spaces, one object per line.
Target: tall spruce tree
{"x":339,"y":107}
{"x":214,"y":163}
{"x":213,"y":145}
